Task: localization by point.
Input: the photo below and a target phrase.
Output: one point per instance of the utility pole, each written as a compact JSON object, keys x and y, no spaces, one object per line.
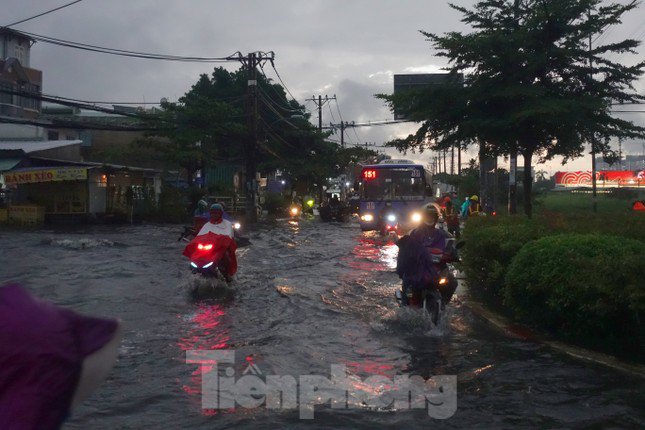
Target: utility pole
{"x":459,"y":160}
{"x":452,"y":160}
{"x":320,"y":102}
{"x":250,"y":63}
{"x":512,"y":171}
{"x":593,"y":137}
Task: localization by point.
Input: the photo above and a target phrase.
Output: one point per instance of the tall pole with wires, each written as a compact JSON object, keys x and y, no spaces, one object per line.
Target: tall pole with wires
{"x":320,"y":102}
{"x":251,"y":62}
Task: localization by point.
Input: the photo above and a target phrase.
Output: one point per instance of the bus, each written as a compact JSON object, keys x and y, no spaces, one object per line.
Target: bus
{"x":405,"y":184}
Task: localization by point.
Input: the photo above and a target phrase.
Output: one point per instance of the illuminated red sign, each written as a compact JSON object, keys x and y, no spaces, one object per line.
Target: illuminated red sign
{"x":369,"y":174}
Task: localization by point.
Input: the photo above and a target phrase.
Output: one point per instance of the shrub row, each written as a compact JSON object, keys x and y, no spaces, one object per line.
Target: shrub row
{"x":580,"y":278}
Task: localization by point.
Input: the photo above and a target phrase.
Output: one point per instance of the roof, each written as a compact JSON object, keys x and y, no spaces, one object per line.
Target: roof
{"x":29,"y":146}
{"x":8,"y":163}
{"x":93,"y":164}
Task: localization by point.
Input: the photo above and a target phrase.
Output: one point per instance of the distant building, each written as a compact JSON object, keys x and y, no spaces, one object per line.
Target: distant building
{"x":629,"y":162}
{"x":17,"y":76}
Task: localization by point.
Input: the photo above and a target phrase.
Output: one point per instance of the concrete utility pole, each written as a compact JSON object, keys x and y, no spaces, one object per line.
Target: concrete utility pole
{"x":320,"y":102}
{"x":512,"y":172}
{"x":593,"y":138}
{"x":250,"y":63}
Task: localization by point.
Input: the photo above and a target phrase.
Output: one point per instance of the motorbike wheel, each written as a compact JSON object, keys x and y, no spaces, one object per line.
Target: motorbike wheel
{"x":432,"y":305}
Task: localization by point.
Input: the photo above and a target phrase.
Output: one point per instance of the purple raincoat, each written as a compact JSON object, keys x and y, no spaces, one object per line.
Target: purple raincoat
{"x":42,"y":348}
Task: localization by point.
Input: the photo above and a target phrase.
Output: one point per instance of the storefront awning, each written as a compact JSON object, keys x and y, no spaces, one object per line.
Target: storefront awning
{"x":35,"y":175}
{"x":8,"y":163}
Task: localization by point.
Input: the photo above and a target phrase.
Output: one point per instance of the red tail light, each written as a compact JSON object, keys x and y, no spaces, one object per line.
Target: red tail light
{"x":206,"y":247}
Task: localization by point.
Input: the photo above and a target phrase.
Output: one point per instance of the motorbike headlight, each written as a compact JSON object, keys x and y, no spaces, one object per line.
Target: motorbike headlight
{"x":391,"y":218}
{"x":443,"y":281}
{"x":294,"y":211}
{"x":367,"y":217}
{"x":416,"y":217}
{"x":237,"y":226}
{"x":193,"y":265}
{"x":206,"y":266}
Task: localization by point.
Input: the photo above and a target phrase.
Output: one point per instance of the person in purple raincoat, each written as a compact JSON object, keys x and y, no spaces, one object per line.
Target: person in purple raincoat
{"x":51,"y":359}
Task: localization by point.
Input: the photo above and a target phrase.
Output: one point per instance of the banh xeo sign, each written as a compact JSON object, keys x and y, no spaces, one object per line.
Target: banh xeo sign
{"x":33,"y":176}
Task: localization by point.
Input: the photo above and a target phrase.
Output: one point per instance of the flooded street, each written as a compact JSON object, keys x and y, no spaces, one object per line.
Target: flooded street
{"x":307,"y":295}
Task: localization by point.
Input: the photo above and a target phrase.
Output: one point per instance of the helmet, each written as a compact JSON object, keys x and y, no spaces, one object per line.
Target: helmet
{"x":430,"y":210}
{"x":475,"y":198}
{"x":447,"y":199}
{"x":202,"y":204}
{"x":217,"y":207}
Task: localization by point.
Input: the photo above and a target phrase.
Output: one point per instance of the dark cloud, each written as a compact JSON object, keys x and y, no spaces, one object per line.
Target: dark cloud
{"x":347,"y":48}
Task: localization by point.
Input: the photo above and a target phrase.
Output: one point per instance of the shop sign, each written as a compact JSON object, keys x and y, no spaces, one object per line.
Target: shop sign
{"x":33,"y":176}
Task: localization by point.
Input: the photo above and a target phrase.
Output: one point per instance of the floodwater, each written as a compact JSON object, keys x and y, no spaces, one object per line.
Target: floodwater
{"x":308,"y":295}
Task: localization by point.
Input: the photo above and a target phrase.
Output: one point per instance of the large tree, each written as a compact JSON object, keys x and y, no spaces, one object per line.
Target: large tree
{"x":210,"y":123}
{"x":531,"y":83}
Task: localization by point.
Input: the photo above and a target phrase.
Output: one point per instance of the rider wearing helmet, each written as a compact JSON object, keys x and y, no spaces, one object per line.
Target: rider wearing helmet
{"x":474,"y":208}
{"x":414,"y":264}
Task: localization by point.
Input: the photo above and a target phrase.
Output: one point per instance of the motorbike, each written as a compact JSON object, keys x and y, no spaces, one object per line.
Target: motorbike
{"x":434,"y":297}
{"x":333,"y":212}
{"x":212,"y":255}
{"x":389,"y":224}
{"x":295,"y":211}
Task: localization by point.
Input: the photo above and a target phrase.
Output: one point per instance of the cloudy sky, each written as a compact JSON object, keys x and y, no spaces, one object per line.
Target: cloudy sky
{"x":350,"y":48}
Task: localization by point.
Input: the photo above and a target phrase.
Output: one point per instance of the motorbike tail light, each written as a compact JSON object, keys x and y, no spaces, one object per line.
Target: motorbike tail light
{"x":205,"y":247}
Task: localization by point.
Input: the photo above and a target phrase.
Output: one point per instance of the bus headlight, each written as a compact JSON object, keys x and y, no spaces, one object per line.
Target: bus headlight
{"x":367,"y":217}
{"x":416,"y":217}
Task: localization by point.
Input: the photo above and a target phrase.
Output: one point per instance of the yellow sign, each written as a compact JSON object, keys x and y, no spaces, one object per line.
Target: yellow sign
{"x":45,"y":175}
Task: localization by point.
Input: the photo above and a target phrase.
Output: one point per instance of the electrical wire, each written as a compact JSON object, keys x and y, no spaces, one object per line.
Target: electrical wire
{"x":128,"y":53}
{"x":44,"y":13}
{"x":281,"y":81}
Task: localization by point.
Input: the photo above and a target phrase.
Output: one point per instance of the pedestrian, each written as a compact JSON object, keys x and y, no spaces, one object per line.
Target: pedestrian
{"x":464,"y":208}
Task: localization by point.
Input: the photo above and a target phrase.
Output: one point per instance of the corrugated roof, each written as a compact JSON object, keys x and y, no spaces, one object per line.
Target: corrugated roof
{"x":29,"y":146}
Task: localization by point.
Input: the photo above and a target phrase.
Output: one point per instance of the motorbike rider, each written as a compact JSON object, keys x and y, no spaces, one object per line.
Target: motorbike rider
{"x":451,"y":218}
{"x":414,"y":263}
{"x":217,"y":224}
{"x":474,"y":208}
{"x":387,"y":209}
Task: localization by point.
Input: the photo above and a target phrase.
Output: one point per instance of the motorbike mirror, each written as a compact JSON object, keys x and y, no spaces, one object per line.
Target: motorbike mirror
{"x":460,"y":244}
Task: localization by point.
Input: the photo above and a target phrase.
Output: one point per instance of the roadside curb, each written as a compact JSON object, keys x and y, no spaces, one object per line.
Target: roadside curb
{"x":514,"y":330}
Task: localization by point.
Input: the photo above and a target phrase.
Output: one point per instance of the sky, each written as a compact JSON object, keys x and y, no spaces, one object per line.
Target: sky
{"x":347,"y":48}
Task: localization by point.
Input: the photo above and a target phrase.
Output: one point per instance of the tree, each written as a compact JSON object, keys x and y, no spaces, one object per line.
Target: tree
{"x":210,"y":124}
{"x":532,"y":84}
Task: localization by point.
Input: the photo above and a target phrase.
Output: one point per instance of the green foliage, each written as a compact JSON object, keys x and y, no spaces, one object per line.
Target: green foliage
{"x":585,"y":288}
{"x":276,"y":204}
{"x":528,"y":86}
{"x":172,"y":206}
{"x":491,"y":244}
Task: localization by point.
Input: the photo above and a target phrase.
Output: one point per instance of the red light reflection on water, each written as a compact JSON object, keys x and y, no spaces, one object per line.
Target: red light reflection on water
{"x":206,"y":333}
{"x":373,"y":255}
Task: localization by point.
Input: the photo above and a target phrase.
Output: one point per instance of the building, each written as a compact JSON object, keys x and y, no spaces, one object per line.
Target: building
{"x":16,"y":77}
{"x":50,"y":178}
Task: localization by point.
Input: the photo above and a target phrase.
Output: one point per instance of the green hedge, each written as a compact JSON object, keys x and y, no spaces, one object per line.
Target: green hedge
{"x":491,"y":244}
{"x":588,"y":289}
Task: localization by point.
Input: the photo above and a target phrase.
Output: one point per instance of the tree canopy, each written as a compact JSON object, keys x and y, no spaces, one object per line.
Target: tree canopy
{"x":209,"y":124}
{"x":531,"y":84}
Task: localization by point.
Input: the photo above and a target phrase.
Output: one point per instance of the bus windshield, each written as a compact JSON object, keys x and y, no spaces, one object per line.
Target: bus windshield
{"x":400,"y":183}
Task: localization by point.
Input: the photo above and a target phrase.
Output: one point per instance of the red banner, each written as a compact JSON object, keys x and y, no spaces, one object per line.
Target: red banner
{"x":604,"y":178}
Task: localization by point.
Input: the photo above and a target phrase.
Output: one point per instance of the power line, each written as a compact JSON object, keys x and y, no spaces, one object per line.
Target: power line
{"x":44,"y":13}
{"x":128,"y":53}
{"x":281,"y":81}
